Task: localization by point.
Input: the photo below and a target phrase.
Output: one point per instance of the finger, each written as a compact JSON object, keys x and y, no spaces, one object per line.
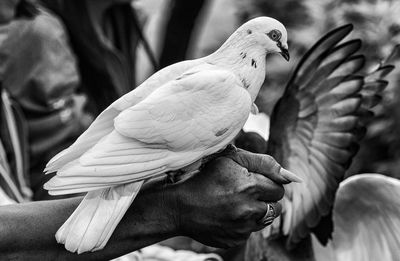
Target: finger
{"x":277,"y":208}
{"x":267,"y":190}
{"x":271,"y":211}
{"x":252,"y":223}
{"x":264,"y":165}
{"x":259,"y":209}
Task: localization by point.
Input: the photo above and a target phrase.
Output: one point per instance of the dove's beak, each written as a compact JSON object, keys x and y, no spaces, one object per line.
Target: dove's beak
{"x":284,"y":51}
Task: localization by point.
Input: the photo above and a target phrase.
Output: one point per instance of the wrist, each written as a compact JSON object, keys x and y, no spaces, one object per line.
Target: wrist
{"x":153,"y":212}
{"x":186,"y":205}
{"x":169,"y":195}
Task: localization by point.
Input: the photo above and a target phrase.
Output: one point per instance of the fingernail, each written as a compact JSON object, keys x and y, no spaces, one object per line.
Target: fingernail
{"x":290,"y":176}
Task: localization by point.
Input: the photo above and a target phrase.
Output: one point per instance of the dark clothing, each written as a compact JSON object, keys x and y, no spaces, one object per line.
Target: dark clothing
{"x":106,"y":50}
{"x":14,"y":180}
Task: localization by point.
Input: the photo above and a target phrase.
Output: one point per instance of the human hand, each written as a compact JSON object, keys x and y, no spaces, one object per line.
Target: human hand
{"x":227,"y":200}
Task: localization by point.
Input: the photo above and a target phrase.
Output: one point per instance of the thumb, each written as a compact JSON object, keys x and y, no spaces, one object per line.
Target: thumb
{"x":264,"y":165}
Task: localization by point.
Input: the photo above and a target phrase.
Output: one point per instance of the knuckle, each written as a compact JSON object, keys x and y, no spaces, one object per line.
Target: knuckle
{"x":249,"y":187}
{"x":268,"y":160}
{"x":241,"y":213}
{"x":276,"y":169}
{"x":245,"y":212}
{"x":272,"y":163}
{"x":243,"y":171}
{"x":252,"y":187}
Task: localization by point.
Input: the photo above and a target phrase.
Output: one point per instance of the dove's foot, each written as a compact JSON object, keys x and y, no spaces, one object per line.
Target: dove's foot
{"x":229,"y":150}
{"x":183,"y":173}
{"x":174,"y":176}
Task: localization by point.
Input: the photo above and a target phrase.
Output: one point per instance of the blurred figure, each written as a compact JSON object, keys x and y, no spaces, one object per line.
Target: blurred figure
{"x":104,"y":35}
{"x":14,"y":179}
{"x":182,"y":21}
{"x":38,"y":70}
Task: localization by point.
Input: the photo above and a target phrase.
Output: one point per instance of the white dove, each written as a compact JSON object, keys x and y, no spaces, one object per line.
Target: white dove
{"x":178,"y":116}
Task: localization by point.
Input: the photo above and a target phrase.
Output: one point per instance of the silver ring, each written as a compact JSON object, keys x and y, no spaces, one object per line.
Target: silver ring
{"x":269,"y":215}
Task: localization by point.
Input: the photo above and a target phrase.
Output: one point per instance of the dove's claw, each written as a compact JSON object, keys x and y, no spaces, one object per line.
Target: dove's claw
{"x":173,"y":176}
{"x":230,"y":148}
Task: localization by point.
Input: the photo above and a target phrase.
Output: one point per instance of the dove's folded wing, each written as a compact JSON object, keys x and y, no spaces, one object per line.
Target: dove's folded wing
{"x":316,"y":126}
{"x":104,"y":123}
{"x":196,"y":111}
{"x":179,"y":123}
{"x":366,"y":215}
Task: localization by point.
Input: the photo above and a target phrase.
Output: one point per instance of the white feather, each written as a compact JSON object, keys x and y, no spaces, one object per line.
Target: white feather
{"x":366,"y":219}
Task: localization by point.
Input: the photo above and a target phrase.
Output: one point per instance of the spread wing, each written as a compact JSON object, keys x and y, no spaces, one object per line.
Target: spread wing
{"x":366,"y":215}
{"x":316,"y":126}
{"x":186,"y":119}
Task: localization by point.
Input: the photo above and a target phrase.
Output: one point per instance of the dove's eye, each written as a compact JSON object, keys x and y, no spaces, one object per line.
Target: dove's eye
{"x":275,"y":35}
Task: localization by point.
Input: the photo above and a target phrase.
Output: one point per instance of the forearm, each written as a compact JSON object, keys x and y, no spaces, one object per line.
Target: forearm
{"x":27,"y":230}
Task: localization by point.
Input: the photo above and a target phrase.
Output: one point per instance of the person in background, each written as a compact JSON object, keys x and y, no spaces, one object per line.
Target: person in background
{"x":104,"y":36}
{"x":39,"y":73}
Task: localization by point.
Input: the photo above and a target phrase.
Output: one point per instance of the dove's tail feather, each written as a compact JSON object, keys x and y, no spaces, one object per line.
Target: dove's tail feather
{"x":91,"y":225}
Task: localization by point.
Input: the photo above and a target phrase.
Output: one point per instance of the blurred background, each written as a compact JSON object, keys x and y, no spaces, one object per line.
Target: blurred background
{"x":64,"y":61}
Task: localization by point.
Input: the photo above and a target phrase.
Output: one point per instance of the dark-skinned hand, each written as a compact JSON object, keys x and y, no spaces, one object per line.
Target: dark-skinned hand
{"x":224,"y":203}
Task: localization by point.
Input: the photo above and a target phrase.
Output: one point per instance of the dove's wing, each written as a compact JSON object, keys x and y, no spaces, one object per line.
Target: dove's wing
{"x":186,"y":119}
{"x":104,"y":123}
{"x":316,"y":126}
{"x":198,"y":110}
{"x":366,"y":215}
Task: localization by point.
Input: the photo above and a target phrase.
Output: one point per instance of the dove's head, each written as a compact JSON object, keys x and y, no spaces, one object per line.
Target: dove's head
{"x":245,"y":51}
{"x":267,"y":32}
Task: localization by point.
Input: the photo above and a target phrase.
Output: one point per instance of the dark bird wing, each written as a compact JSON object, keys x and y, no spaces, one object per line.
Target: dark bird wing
{"x":317,"y":124}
